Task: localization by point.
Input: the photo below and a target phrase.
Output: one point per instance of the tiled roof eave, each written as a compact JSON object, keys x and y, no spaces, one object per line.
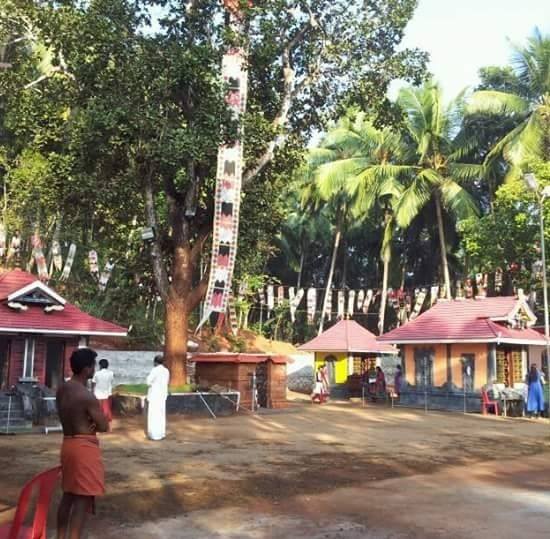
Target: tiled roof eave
{"x":479,"y":340}
{"x":83,"y":332}
{"x":350,"y":351}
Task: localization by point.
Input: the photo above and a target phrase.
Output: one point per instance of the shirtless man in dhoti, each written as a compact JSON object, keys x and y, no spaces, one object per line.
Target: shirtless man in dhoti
{"x":82,"y":467}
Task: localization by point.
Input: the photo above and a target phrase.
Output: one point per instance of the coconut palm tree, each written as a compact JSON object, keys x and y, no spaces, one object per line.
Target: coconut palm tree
{"x":376,"y":159}
{"x":330,"y":171}
{"x":437,"y":175}
{"x":530,"y":105}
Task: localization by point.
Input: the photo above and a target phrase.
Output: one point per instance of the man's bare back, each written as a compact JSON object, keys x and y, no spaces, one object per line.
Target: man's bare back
{"x":79,"y":410}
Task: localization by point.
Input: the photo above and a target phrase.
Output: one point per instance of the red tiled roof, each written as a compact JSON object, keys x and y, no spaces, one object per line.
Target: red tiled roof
{"x":347,"y":336}
{"x":229,"y":357}
{"x":472,"y":320}
{"x":70,"y":321}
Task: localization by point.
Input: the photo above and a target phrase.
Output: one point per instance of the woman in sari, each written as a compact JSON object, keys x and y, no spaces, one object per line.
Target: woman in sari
{"x":535,"y":394}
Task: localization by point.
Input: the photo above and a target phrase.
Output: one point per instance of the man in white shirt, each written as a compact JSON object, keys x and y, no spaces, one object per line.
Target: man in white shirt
{"x":102,"y":384}
{"x":158,"y":381}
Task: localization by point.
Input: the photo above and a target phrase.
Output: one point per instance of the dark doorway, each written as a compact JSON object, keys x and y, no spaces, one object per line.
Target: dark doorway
{"x":423,"y":362}
{"x":262,"y":384}
{"x":54,"y":363}
{"x":4,"y":363}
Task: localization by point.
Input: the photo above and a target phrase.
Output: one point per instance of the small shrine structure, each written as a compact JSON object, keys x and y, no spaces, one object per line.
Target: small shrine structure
{"x":260,"y":379}
{"x":39,"y":330}
{"x":458,"y":346}
{"x":349,"y":351}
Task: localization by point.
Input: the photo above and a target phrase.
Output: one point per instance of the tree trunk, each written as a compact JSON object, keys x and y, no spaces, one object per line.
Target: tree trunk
{"x":383,"y":300}
{"x":301,"y":270}
{"x":345,"y":264}
{"x":337,"y":237}
{"x":175,"y":345}
{"x":443,"y":246}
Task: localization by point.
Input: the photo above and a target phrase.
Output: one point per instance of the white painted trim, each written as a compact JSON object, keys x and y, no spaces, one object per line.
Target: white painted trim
{"x":41,"y":286}
{"x":65,"y":332}
{"x":30,"y":344}
{"x":471,"y":341}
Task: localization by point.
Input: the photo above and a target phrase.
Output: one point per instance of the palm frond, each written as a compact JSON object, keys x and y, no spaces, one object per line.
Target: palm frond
{"x":457,"y":200}
{"x":332,"y":178}
{"x":413,"y":199}
{"x":460,"y":172}
{"x":494,"y":102}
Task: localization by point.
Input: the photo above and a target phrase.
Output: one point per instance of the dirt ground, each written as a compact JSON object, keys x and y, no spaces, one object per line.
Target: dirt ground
{"x":337,"y":471}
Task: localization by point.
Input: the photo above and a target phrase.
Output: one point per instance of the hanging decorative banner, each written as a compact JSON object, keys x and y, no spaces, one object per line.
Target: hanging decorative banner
{"x":270,"y":298}
{"x":229,"y":176}
{"x":351,"y":302}
{"x":420,"y":298}
{"x":341,"y":304}
{"x":360,"y":300}
{"x":106,"y":275}
{"x":2,"y":240}
{"x":41,"y":264}
{"x":468,"y":289}
{"x":280,"y":295}
{"x":261,"y":295}
{"x":498,"y":279}
{"x":37,"y":256}
{"x":368,"y":300}
{"x":15,"y":246}
{"x":68,"y":263}
{"x":433,"y":294}
{"x":93,"y":263}
{"x":481,"y":285}
{"x":328,"y":305}
{"x":295,"y":301}
{"x":57,"y":258}
{"x":442,"y":291}
{"x":311,"y":305}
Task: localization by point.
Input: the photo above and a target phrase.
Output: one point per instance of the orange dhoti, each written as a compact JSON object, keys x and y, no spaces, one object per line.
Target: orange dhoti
{"x":82,"y":467}
{"x":107,"y":408}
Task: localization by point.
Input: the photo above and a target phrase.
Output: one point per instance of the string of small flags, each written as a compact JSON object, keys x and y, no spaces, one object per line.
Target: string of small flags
{"x":12,"y":250}
{"x":407,"y":304}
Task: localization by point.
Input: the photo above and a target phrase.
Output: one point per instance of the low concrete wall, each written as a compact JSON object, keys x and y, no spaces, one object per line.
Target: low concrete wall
{"x":129,"y":367}
{"x":440,"y":398}
{"x":182,"y":403}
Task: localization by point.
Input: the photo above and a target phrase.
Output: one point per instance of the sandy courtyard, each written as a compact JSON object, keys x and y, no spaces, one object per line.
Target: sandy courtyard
{"x":337,"y":471}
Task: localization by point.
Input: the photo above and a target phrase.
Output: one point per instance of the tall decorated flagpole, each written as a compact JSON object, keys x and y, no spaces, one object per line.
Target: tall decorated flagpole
{"x":229,"y":176}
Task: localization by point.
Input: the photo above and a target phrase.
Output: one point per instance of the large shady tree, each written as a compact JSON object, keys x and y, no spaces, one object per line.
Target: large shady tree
{"x":137,"y":89}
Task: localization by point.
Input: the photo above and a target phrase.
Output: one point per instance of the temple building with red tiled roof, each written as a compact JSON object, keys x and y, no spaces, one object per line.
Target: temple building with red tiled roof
{"x":458,"y":346}
{"x":349,"y":351}
{"x":39,"y":330}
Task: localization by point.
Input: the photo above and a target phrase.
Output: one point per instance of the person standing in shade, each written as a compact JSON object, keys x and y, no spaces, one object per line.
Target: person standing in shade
{"x":535,"y":393}
{"x":157,"y":393}
{"x":398,"y":380}
{"x":102,"y":383}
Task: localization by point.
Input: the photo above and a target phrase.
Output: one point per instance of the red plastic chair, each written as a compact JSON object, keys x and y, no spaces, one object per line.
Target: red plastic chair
{"x":487,"y":403}
{"x":45,"y":483}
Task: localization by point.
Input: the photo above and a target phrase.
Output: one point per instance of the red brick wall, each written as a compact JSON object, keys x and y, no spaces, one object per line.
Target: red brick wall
{"x":17,"y":351}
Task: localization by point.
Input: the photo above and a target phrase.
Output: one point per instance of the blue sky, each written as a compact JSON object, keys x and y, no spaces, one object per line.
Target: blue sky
{"x":464,"y":35}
